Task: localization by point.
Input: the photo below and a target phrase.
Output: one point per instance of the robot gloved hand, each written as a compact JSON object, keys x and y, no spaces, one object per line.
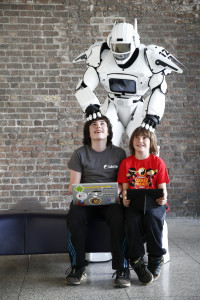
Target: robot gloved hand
{"x":150,"y":122}
{"x":92,"y":112}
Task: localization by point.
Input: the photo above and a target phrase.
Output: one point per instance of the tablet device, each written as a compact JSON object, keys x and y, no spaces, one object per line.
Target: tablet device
{"x":95,"y":193}
{"x":144,"y":199}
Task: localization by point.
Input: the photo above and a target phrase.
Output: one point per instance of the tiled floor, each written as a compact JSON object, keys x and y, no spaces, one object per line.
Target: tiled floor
{"x":43,"y":276}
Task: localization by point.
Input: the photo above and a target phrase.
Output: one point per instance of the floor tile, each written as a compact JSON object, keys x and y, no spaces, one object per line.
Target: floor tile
{"x":42,"y":277}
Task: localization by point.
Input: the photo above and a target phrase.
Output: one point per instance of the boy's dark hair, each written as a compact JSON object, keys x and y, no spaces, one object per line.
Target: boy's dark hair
{"x":86,"y":131}
{"x":144,"y":132}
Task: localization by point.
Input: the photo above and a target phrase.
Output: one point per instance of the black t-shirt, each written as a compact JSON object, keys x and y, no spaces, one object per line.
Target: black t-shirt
{"x":97,"y":166}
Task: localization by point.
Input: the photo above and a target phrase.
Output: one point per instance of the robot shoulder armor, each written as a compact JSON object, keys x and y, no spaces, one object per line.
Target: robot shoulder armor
{"x":92,"y":56}
{"x":160,"y":60}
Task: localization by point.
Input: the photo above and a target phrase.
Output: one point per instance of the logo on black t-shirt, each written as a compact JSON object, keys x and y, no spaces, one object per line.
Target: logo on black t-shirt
{"x":110,"y":166}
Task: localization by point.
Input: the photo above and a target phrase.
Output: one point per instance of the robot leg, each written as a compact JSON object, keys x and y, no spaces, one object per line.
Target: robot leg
{"x":136,"y":119}
{"x":117,"y":126}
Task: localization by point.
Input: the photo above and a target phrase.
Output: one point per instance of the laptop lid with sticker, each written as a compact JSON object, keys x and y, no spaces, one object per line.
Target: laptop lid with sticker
{"x":95,"y":193}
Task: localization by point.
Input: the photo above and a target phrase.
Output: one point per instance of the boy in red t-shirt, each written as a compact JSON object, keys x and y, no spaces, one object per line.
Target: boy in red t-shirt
{"x":144,"y":170}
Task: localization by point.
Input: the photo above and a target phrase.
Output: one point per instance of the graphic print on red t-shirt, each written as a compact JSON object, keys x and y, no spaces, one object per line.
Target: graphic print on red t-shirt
{"x":141,"y":178}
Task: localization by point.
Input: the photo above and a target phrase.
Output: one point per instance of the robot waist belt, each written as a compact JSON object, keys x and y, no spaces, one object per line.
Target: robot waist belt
{"x":125,"y":101}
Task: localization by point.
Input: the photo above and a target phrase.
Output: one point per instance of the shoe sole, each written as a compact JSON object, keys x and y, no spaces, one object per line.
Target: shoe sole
{"x":156,"y":277}
{"x":120,"y":285}
{"x":72,"y":283}
{"x":148,"y":282}
{"x":83,"y":279}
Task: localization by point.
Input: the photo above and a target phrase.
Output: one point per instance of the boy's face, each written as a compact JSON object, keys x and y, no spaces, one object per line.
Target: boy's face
{"x":141,"y":144}
{"x":98,"y":130}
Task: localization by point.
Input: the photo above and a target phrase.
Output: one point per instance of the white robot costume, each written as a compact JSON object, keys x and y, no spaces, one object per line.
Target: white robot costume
{"x":127,"y":70}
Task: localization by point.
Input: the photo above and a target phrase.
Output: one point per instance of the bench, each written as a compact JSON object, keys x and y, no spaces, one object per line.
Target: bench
{"x":29,"y":228}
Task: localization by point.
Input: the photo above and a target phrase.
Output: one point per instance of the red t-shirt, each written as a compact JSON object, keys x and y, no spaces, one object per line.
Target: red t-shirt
{"x":143,"y":174}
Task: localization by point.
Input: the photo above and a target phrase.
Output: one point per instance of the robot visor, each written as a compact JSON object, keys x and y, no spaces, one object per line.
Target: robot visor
{"x":121,"y":47}
{"x":122,"y":56}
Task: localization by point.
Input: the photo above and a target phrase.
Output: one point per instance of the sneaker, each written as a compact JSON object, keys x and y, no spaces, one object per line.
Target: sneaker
{"x":144,"y":275}
{"x":122,"y":278}
{"x":75,"y":275}
{"x":155,"y":265}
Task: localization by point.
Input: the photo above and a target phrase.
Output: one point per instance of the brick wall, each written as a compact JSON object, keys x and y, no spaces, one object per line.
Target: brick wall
{"x":41,"y":122}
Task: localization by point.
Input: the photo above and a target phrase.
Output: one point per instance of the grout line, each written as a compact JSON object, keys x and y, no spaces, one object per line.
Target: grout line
{"x":183,"y":250}
{"x":27,"y":268}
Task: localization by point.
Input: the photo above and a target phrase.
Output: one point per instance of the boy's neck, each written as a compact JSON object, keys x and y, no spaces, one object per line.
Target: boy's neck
{"x":141,"y":156}
{"x":99,"y":145}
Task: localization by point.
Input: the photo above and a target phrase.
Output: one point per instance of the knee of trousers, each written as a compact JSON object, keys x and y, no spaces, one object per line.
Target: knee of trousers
{"x":133,"y":217}
{"x":76,"y":218}
{"x":155,"y":215}
{"x":115,"y":215}
{"x":153,"y":221}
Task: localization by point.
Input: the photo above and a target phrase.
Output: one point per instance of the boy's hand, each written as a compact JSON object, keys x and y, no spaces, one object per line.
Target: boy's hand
{"x":162,"y":200}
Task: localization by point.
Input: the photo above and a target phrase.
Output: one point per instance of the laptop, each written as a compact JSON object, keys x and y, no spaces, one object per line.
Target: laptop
{"x":144,"y":199}
{"x":95,"y":193}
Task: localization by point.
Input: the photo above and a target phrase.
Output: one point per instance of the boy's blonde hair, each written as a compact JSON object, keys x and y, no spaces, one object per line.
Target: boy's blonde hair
{"x":140,"y":131}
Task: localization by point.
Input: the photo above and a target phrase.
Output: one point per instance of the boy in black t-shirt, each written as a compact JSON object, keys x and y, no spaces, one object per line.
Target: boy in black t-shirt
{"x":97,"y":161}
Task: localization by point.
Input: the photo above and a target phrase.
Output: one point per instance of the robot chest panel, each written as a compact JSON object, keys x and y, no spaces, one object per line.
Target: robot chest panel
{"x":126,"y":82}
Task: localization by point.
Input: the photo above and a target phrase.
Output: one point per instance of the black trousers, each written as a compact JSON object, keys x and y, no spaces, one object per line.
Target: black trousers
{"x":142,"y":228}
{"x":77,"y":220}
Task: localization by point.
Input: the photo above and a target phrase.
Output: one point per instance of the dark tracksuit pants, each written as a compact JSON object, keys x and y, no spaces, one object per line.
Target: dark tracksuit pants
{"x":77,"y":220}
{"x":142,"y":228}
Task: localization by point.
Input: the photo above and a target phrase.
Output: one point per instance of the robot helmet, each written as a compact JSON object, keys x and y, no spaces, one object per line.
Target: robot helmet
{"x":123,"y":40}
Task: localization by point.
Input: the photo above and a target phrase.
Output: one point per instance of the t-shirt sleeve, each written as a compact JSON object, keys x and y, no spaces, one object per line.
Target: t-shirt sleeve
{"x":75,"y":162}
{"x":122,"y":173}
{"x":162,"y":173}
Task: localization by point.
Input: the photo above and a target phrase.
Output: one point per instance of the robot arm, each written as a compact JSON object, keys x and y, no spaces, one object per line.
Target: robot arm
{"x":84,"y":91}
{"x":161,"y":63}
{"x":85,"y":96}
{"x":155,"y":104}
